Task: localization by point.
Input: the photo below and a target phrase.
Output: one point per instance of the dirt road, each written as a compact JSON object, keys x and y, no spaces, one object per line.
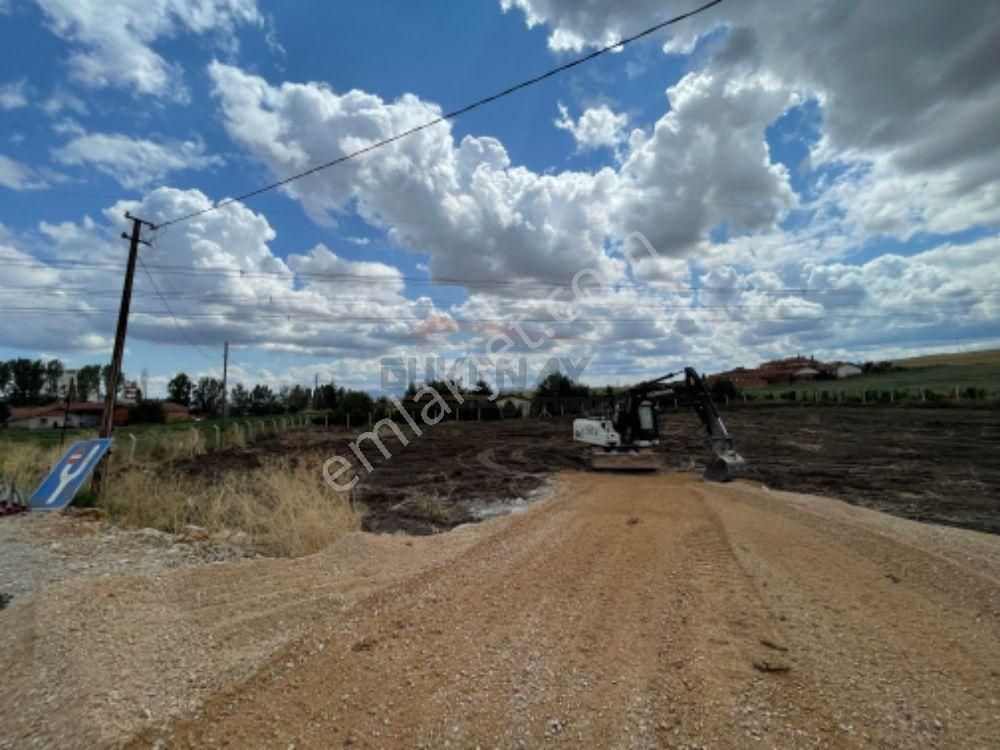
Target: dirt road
{"x":626,"y":612}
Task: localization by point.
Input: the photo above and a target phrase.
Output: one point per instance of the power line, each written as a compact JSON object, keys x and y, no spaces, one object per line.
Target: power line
{"x":193,"y":271}
{"x":448,"y":115}
{"x":166,"y":305}
{"x":374,"y":319}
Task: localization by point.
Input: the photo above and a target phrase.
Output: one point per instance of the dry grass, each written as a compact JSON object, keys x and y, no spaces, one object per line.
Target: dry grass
{"x":26,"y":464}
{"x":287,"y":510}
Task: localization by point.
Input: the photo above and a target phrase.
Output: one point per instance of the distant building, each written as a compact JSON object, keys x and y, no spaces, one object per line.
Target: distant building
{"x":79,"y":414}
{"x":806,"y":373}
{"x":130,"y":392}
{"x":787,"y":370}
{"x":515,"y":401}
{"x":847,"y":370}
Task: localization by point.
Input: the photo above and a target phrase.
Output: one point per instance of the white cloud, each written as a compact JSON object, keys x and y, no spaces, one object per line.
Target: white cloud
{"x":234,"y":287}
{"x":597,"y":127}
{"x":909,"y":92}
{"x":134,"y":162}
{"x":61,"y":100}
{"x":13,"y":95}
{"x":114,"y":38}
{"x":463,"y":204}
{"x":18,"y":176}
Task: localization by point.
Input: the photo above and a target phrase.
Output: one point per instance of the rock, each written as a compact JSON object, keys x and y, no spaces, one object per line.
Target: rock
{"x":194,"y":533}
{"x":771,"y":665}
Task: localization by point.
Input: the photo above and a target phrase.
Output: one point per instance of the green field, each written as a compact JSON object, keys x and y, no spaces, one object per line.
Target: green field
{"x":941,"y":379}
{"x":981,"y":357}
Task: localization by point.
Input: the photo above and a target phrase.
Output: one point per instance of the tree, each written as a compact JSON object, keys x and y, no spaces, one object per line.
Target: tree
{"x":482,"y":388}
{"x":28,"y":377}
{"x":262,"y":401}
{"x":179,"y":389}
{"x":356,"y":402}
{"x":723,"y":388}
{"x":295,"y":399}
{"x":557,"y":384}
{"x":146,"y":411}
{"x":207,"y":395}
{"x":88,"y":381}
{"x":53,"y":372}
{"x":5,"y":378}
{"x":328,"y":396}
{"x":239,"y":398}
{"x":106,"y":378}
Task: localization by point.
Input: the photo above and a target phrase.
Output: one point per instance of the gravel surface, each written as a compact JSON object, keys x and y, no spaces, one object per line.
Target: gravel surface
{"x":37,"y":549}
{"x":627,"y":611}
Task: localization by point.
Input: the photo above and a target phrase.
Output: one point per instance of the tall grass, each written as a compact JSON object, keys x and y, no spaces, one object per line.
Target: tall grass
{"x":26,"y":464}
{"x":285,"y":509}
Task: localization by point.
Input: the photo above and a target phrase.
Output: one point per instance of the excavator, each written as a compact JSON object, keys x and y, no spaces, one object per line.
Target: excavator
{"x":626,"y":438}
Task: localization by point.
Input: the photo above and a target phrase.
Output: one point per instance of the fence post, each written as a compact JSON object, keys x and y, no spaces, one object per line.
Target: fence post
{"x":131,"y":448}
{"x":727,"y":399}
{"x":218,"y":436}
{"x":892,"y":395}
{"x":348,"y":420}
{"x":369,"y":419}
{"x":923,"y":394}
{"x":249,"y":430}
{"x":479,"y":414}
{"x":863,"y":395}
{"x":956,"y":393}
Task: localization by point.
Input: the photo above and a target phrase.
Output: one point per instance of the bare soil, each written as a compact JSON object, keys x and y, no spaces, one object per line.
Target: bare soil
{"x":627,"y":611}
{"x":938,"y":465}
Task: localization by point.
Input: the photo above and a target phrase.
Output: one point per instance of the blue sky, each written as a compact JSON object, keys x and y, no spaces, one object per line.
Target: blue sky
{"x":795,"y":201}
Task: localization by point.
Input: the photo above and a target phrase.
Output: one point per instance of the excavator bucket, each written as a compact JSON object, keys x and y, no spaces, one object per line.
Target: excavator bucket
{"x":725,"y":466}
{"x":633,"y":460}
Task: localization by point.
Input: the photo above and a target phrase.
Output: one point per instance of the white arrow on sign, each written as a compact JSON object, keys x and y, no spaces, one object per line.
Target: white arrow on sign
{"x":71,"y":472}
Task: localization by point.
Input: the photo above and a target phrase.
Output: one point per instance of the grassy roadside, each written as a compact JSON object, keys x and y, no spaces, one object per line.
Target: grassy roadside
{"x":283,"y":508}
{"x":940,"y":379}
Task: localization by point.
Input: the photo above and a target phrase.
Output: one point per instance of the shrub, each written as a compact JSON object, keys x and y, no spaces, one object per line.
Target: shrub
{"x":146,"y":411}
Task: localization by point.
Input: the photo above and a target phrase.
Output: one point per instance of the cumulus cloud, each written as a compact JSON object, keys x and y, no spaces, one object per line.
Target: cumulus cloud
{"x":464,"y":204}
{"x":478,"y":216}
{"x":909,"y":91}
{"x":231,"y":286}
{"x":114,"y":38}
{"x":597,"y":127}
{"x":134,"y":162}
{"x":13,"y":95}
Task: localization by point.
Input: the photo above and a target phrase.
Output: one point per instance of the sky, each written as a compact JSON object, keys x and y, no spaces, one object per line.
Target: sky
{"x":743,"y":185}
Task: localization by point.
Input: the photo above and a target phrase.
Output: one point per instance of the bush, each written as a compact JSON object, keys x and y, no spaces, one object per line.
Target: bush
{"x":146,"y":411}
{"x":723,"y":388}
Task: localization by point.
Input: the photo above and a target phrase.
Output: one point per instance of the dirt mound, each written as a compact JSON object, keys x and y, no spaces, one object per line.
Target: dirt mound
{"x":626,"y":611}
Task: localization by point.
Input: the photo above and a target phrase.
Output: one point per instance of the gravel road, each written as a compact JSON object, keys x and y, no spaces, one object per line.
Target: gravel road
{"x":627,"y":611}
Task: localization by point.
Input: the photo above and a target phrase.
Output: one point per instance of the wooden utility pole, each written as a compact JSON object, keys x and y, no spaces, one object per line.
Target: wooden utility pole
{"x":225,"y":376}
{"x":108,"y":415}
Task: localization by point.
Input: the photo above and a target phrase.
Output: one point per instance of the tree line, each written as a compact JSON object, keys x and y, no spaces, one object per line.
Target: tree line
{"x":205,"y":396}
{"x":37,"y":382}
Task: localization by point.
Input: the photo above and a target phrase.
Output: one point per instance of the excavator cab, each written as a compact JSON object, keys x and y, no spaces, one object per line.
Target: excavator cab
{"x":627,"y":439}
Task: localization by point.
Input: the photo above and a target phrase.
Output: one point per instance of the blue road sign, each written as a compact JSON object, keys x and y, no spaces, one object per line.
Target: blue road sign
{"x":59,"y":487}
